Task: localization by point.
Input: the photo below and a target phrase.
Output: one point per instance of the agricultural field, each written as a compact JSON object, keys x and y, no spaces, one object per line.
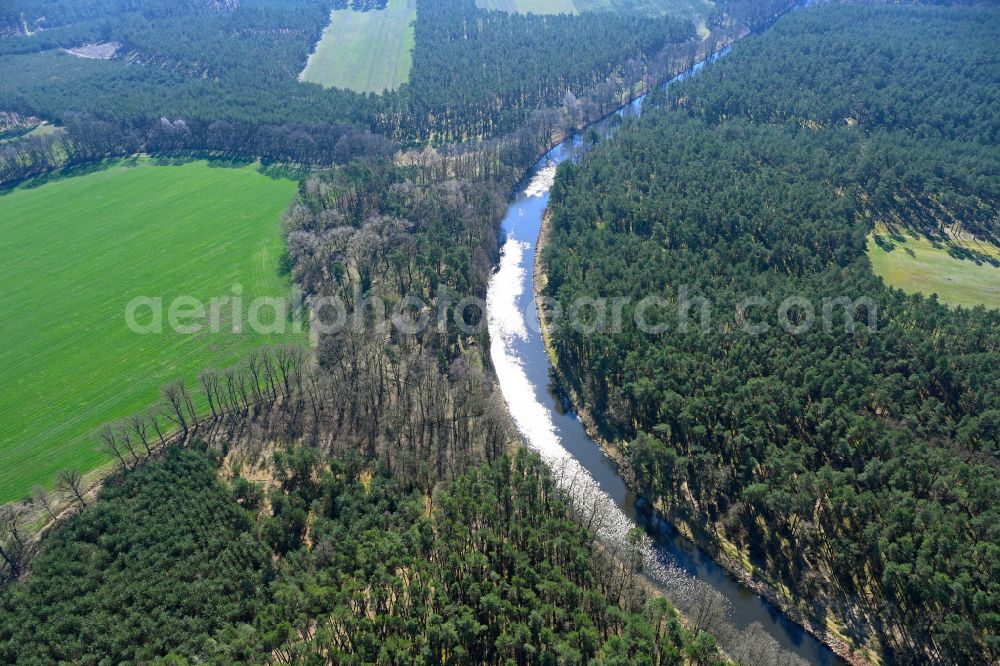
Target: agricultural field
{"x":696,"y":10}
{"x":75,"y":251}
{"x":365,"y":51}
{"x":959,"y":272}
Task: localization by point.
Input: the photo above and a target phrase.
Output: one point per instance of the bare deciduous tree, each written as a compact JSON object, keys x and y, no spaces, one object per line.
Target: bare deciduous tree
{"x":125,"y":438}
{"x":177,"y":400}
{"x":109,"y":443}
{"x":12,"y":542}
{"x":209,"y":380}
{"x":139,"y":426}
{"x":42,"y":498}
{"x":707,"y":610}
{"x":153,"y":417}
{"x":755,"y":647}
{"x":69,"y":483}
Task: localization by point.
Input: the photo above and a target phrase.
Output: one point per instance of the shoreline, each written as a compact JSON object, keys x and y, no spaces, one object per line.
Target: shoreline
{"x":695,"y":533}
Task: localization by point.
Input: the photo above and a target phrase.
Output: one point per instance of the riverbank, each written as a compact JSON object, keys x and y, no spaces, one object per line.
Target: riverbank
{"x":722,"y":552}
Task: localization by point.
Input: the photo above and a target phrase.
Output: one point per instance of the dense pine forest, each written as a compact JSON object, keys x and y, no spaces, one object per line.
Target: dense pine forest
{"x":505,"y":63}
{"x":334,"y":562}
{"x":366,"y":500}
{"x":858,"y":469}
{"x":235,"y":66}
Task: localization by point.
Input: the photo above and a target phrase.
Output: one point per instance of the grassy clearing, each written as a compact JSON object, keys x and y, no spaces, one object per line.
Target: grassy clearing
{"x":76,"y":251}
{"x":917,"y":264}
{"x":365,"y":51}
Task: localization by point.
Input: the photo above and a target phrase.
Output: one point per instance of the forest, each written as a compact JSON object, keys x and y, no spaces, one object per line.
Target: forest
{"x":390,"y":445}
{"x":522,"y":63}
{"x":856,"y":462}
{"x":334,"y":560}
{"x":171,"y":63}
{"x":367,"y":500}
{"x":175,"y":85}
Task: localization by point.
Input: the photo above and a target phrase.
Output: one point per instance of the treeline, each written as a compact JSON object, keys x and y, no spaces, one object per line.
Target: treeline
{"x":427,"y":434}
{"x":859,"y":469}
{"x":361,"y":5}
{"x":84,"y":139}
{"x":268,"y":394}
{"x":333,"y":559}
{"x":269,"y":378}
{"x":369,"y":234}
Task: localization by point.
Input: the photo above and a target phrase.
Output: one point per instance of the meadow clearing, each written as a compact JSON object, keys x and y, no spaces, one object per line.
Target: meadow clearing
{"x":916,"y":264}
{"x":368,"y":51}
{"x":75,"y":251}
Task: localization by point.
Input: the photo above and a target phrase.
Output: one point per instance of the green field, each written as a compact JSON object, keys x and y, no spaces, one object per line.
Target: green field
{"x":75,"y":252}
{"x":694,"y":9}
{"x":365,"y":51}
{"x":916,"y":264}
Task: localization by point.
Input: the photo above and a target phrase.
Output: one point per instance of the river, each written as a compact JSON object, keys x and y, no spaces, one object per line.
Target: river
{"x":548,"y":426}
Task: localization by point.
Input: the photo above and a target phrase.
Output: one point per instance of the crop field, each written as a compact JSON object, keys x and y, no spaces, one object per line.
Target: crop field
{"x":696,"y":10}
{"x":915,"y":264}
{"x":75,"y":252}
{"x":367,"y":51}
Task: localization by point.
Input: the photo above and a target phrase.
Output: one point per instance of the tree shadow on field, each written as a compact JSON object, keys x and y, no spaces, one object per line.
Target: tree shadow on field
{"x":214,"y":159}
{"x":884,"y":243}
{"x":283,"y":171}
{"x":83,"y":169}
{"x":220,"y":160}
{"x":16,"y":132}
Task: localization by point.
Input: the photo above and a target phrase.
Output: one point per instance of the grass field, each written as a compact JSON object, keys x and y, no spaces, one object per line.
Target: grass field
{"x":75,"y":252}
{"x":365,"y":51}
{"x":916,"y":264}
